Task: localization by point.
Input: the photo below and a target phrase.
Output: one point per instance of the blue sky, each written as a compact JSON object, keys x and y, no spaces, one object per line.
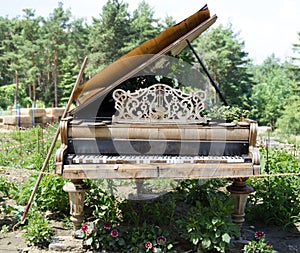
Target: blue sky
{"x":266,"y":26}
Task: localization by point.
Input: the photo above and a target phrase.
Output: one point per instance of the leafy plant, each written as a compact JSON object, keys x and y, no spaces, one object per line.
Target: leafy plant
{"x":38,"y":231}
{"x":107,"y":236}
{"x":227,"y":113}
{"x":103,"y":236}
{"x":200,"y":190}
{"x":5,"y":192}
{"x":149,"y":238}
{"x":276,"y":199}
{"x":159,"y":211}
{"x":50,"y":195}
{"x":6,"y":187}
{"x":259,"y":244}
{"x":103,"y":204}
{"x":209,"y":227}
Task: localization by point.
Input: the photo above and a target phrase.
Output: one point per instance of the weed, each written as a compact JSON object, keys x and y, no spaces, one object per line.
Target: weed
{"x":38,"y":231}
{"x":50,"y":195}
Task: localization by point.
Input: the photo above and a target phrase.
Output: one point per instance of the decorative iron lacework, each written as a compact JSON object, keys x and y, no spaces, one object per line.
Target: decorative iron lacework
{"x":159,"y":103}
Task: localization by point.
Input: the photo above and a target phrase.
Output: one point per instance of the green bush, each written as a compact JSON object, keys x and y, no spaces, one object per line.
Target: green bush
{"x":209,"y":227}
{"x":200,"y":190}
{"x":7,"y":96}
{"x":6,"y":189}
{"x":197,"y":215}
{"x":276,"y":199}
{"x":49,"y":196}
{"x":149,"y":238}
{"x":159,"y":211}
{"x":108,"y":236}
{"x":102,"y":204}
{"x":227,"y":113}
{"x":38,"y":231}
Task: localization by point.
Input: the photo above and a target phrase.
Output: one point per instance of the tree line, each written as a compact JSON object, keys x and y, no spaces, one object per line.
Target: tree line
{"x":40,"y":58}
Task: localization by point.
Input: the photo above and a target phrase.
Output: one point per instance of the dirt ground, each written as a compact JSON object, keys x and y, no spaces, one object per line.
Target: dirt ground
{"x":284,"y":241}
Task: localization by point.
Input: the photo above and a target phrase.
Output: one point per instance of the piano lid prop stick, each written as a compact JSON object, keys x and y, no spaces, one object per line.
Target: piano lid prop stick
{"x":79,"y":77}
{"x":207,"y":73}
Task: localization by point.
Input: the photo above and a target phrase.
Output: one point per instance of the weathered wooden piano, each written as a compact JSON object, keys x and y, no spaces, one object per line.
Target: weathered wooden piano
{"x":155,"y":131}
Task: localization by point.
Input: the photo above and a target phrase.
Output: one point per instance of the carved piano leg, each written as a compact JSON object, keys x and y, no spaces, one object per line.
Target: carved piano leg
{"x":76,"y":189}
{"x":239,"y":191}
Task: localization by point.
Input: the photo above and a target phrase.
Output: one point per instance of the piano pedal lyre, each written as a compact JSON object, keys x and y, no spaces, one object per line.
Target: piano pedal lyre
{"x":142,"y":194}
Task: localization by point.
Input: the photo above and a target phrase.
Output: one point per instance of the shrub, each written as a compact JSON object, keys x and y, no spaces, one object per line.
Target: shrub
{"x":107,"y":236}
{"x":276,"y":199}
{"x":102,"y":204}
{"x":200,"y":190}
{"x":6,"y":189}
{"x":103,"y":236}
{"x":227,"y":113}
{"x":38,"y":231}
{"x":159,"y":211}
{"x":50,"y":195}
{"x":209,"y":227}
{"x":149,"y":238}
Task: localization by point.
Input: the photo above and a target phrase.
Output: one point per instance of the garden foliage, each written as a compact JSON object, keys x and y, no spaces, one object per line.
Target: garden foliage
{"x":276,"y":199}
{"x":38,"y":230}
{"x":259,"y":244}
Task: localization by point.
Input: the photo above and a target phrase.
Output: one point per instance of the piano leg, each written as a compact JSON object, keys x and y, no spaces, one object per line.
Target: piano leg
{"x":239,"y":191}
{"x":76,"y":190}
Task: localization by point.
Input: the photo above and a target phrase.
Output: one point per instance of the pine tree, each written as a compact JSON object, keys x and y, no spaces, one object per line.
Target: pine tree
{"x":227,"y":62}
{"x":143,"y":26}
{"x":108,"y":35}
{"x":55,"y":41}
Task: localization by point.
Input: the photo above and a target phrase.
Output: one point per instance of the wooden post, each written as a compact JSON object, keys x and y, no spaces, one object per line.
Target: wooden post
{"x":52,"y":113}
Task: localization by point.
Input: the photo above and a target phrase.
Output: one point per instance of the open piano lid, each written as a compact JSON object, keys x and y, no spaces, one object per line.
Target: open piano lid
{"x":170,"y":41}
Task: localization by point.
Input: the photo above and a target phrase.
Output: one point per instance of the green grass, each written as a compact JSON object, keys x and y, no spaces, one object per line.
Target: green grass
{"x":27,"y":148}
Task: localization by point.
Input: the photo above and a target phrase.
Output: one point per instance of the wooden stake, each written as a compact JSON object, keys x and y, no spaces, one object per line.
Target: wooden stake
{"x":79,"y":77}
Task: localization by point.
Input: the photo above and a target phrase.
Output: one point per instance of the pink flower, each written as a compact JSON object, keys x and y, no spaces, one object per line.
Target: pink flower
{"x":259,"y":234}
{"x":148,"y":245}
{"x":160,"y":239}
{"x":84,"y":227}
{"x":269,"y":244}
{"x":114,"y":233}
{"x":107,"y":225}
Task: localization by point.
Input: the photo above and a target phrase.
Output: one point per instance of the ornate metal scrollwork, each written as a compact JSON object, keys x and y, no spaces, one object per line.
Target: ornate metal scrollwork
{"x":159,"y":103}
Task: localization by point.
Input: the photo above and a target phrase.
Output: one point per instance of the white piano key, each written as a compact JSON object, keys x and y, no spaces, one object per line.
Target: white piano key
{"x":75,"y":159}
{"x":96,"y":159}
{"x":134,"y":159}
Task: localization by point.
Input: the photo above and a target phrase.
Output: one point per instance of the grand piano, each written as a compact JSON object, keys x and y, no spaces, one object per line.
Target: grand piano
{"x":143,"y":117}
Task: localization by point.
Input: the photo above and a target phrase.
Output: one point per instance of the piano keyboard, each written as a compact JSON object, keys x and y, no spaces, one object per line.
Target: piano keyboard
{"x":133,"y":159}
